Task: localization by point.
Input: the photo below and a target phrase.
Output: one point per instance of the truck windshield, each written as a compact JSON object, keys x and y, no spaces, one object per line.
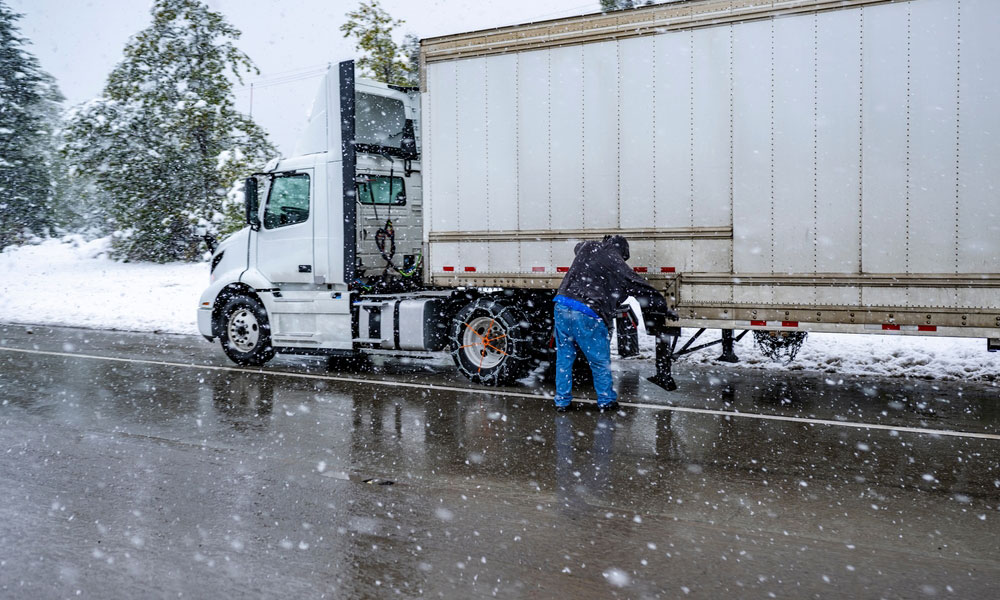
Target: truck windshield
{"x":374,"y":189}
{"x":379,"y":120}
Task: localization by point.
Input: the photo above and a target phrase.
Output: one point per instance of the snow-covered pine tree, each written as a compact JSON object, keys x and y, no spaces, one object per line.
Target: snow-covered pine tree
{"x":381,"y":58}
{"x":29,"y":108}
{"x":164,"y":141}
{"x":610,"y":5}
{"x":411,"y":48}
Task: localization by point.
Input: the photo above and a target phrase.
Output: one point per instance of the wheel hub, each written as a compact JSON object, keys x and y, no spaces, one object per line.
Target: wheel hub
{"x":243,"y":329}
{"x":484,"y":342}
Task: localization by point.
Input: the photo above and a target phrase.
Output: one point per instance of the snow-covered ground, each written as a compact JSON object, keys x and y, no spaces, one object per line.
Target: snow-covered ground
{"x":72,"y":282}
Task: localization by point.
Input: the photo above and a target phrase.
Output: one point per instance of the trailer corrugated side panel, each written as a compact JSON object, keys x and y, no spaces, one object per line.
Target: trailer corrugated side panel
{"x":825,"y":162}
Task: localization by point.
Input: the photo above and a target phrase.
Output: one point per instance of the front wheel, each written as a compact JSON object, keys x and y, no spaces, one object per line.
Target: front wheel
{"x":490,"y":342}
{"x":246,"y":332}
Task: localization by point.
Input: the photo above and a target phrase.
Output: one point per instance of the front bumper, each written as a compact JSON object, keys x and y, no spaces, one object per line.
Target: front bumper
{"x":205,"y":322}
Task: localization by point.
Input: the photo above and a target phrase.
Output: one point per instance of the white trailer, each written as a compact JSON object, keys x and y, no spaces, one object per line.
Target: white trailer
{"x":789,"y":165}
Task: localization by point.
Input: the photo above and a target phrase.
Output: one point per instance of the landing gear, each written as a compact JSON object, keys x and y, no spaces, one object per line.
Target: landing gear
{"x":728,"y":354}
{"x":628,"y":333}
{"x":666,"y":352}
{"x":666,"y":342}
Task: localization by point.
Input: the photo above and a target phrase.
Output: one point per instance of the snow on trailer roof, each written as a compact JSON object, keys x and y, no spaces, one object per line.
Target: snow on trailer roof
{"x":595,"y":27}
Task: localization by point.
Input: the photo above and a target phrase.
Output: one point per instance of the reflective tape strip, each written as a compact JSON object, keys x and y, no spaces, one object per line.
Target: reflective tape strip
{"x":470,"y":269}
{"x":668,"y":270}
{"x":640,"y":269}
{"x":895,"y":327}
{"x":789,"y":323}
{"x":448,"y":269}
{"x":562,"y":269}
{"x":537,"y":269}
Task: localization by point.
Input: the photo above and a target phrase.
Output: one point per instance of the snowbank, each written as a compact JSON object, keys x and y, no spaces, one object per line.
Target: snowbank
{"x":72,"y":282}
{"x":887,"y":355}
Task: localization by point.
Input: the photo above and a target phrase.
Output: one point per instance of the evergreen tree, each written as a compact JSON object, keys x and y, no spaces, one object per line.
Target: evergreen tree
{"x":382,"y":59}
{"x":164,"y":141}
{"x":411,"y":48}
{"x":29,"y":105}
{"x":610,"y":5}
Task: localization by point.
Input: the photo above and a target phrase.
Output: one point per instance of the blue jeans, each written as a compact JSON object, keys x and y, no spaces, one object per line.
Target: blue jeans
{"x":575,"y":329}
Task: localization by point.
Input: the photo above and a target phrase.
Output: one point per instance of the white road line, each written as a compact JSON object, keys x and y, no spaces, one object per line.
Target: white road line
{"x":487,"y":392}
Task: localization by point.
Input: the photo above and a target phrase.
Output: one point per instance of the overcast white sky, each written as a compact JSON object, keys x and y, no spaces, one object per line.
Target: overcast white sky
{"x":79,"y":41}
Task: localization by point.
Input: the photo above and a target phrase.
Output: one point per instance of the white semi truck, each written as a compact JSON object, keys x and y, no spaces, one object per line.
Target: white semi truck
{"x":777,"y":165}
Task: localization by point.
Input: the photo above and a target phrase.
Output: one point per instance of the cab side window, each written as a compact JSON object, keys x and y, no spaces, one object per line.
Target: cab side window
{"x":287,"y":201}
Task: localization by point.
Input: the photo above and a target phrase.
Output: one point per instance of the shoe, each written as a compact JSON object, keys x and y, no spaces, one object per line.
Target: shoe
{"x":563,"y":409}
{"x":610,"y":406}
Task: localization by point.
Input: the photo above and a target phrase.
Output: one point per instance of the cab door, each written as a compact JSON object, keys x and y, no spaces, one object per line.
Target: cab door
{"x":285,"y":240}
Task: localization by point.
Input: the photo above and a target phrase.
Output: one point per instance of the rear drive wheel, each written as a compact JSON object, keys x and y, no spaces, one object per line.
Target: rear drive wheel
{"x":246,"y":333}
{"x":490,"y":342}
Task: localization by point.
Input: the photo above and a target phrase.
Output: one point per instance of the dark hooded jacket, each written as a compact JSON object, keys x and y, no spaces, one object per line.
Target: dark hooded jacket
{"x":600,"y":278}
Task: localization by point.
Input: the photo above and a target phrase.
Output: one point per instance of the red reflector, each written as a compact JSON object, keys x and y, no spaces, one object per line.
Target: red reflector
{"x":789,"y":323}
{"x":562,"y":269}
{"x":668,"y":270}
{"x":888,"y":327}
{"x":470,"y":269}
{"x":758,"y":323}
{"x":449,"y":269}
{"x":927,"y":328}
{"x":537,"y":269}
{"x":640,"y":269}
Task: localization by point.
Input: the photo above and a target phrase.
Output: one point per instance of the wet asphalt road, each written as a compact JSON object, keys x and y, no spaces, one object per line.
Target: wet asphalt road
{"x":183,"y":476}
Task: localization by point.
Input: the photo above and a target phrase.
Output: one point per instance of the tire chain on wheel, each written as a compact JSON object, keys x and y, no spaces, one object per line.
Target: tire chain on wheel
{"x":516,"y":364}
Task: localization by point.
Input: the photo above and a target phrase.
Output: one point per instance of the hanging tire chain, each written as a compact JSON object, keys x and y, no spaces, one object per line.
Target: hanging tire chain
{"x":779,"y":345}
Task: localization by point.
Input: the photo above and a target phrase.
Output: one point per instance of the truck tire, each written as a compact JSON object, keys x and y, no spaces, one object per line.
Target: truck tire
{"x":490,"y":342}
{"x":245,"y":332}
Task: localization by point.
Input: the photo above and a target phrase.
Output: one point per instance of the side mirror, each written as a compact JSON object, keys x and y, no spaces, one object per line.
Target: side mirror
{"x":252,"y":206}
{"x":408,"y":145}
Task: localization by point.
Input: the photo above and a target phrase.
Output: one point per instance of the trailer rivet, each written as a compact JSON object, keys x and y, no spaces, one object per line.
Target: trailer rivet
{"x":852,"y":314}
{"x":964,"y":317}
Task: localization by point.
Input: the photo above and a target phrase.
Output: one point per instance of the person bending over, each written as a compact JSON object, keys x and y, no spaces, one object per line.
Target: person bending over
{"x":598,"y":281}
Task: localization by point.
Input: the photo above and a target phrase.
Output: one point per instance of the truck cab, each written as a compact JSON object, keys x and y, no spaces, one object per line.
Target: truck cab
{"x":339,"y":219}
